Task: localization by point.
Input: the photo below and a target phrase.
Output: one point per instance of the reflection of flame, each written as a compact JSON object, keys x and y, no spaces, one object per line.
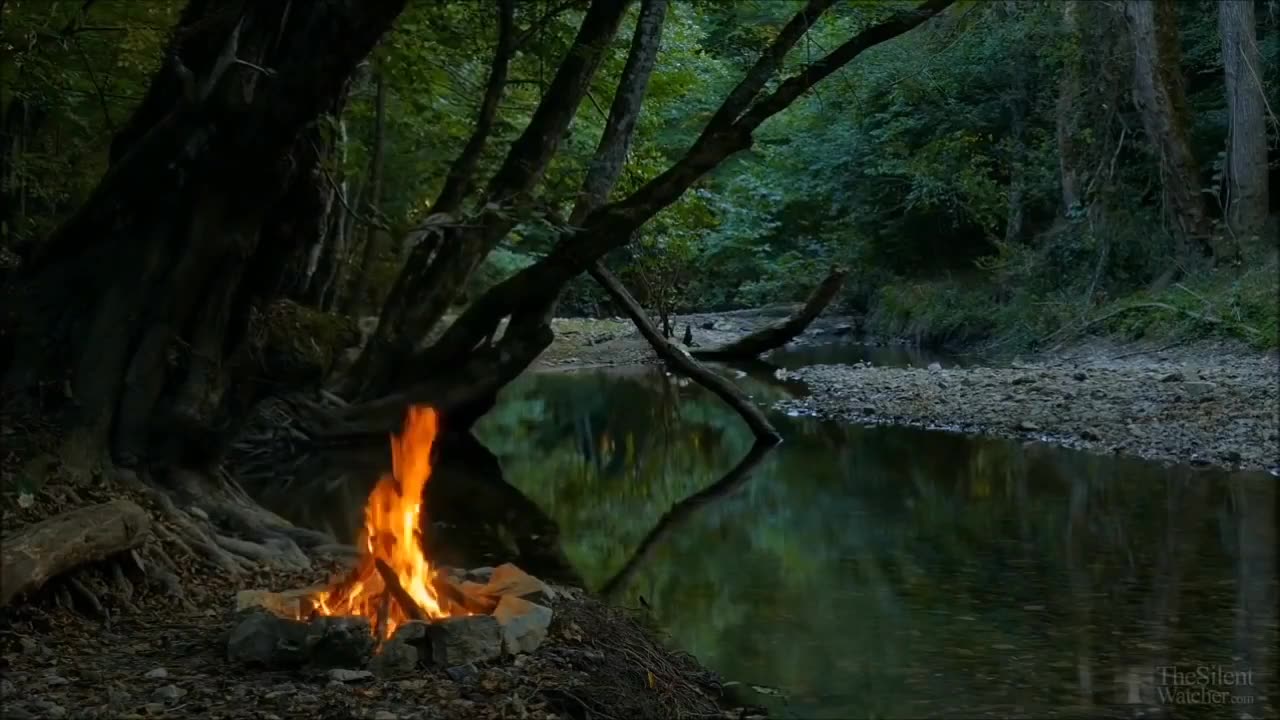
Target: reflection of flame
{"x":391,"y":536}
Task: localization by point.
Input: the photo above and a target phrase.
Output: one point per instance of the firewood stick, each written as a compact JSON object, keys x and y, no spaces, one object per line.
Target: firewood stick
{"x":457,"y":597}
{"x":403,"y":598}
{"x":384,"y":613}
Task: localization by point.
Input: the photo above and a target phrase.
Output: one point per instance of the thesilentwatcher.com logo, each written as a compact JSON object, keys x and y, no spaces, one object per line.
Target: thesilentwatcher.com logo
{"x":1203,"y":685}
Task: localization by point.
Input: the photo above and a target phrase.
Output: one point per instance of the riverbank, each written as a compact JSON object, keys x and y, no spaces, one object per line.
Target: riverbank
{"x":1207,"y":404}
{"x":127,"y":638}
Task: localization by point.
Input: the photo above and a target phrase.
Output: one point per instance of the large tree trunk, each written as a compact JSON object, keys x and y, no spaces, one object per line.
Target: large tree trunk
{"x":1161,"y":99}
{"x":1247,"y":192}
{"x":142,"y":298}
{"x":775,"y":336}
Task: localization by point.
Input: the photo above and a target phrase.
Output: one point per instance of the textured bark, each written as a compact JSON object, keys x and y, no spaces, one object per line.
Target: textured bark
{"x":142,"y":298}
{"x":462,"y":173}
{"x":374,"y":238}
{"x":1246,"y":173}
{"x":775,"y":336}
{"x":1161,"y":100}
{"x":32,"y":556}
{"x":436,"y":272}
{"x":1068,"y":125}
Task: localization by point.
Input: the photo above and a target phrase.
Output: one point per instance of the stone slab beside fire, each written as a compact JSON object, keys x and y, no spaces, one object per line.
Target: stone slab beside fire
{"x":272,"y":629}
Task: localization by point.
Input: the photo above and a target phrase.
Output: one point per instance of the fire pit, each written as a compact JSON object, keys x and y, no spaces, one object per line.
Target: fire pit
{"x":395,"y":610}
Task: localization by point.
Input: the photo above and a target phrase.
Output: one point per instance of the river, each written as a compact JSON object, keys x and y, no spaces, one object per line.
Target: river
{"x":893,"y":572}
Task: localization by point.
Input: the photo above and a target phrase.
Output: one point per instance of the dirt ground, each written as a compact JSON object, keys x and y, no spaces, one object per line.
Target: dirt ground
{"x":119,"y":639}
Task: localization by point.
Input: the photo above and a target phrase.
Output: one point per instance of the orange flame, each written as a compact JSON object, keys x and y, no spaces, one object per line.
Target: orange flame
{"x":392,"y":519}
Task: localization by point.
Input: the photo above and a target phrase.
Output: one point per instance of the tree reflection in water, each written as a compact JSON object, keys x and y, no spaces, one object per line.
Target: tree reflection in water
{"x":896,"y":572}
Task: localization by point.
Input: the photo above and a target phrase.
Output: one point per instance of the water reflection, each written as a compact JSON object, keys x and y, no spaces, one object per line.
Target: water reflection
{"x":900,"y":573}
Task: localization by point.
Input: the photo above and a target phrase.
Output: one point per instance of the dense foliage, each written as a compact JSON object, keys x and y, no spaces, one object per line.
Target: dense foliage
{"x":932,"y":166}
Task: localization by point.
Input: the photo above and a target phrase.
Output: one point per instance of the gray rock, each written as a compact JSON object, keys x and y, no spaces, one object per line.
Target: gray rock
{"x":117,"y":697}
{"x":49,"y":709}
{"x":262,"y":638}
{"x":933,"y":366}
{"x":339,"y":642}
{"x":157,"y":674}
{"x":461,"y":673}
{"x":7,"y":687}
{"x":843,"y":329}
{"x":708,"y":325}
{"x":462,"y":640}
{"x":170,"y":693}
{"x":1023,"y":380}
{"x":344,"y":675}
{"x":55,"y":679}
{"x":524,"y":624}
{"x":1090,"y":434}
{"x":1027,"y":426}
{"x":1198,"y":390}
{"x":723,"y":326}
{"x":17,"y":712}
{"x":1079,"y":376}
{"x":395,"y":658}
{"x":402,"y":651}
{"x":385,"y":715}
{"x":1174,"y":376}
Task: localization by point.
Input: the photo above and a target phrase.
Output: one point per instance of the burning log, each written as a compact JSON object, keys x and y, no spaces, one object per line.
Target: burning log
{"x":397,"y":591}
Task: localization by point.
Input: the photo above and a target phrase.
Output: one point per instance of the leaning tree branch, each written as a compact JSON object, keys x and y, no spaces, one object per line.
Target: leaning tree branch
{"x":779,"y":334}
{"x":722,"y":388}
{"x":464,"y":167}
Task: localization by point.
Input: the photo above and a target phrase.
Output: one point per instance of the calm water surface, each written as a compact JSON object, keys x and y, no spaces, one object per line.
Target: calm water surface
{"x":892,"y":572}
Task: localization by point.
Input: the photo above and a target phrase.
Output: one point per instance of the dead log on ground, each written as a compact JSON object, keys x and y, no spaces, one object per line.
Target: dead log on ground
{"x":681,"y":359}
{"x":775,"y":336}
{"x":33,"y":555}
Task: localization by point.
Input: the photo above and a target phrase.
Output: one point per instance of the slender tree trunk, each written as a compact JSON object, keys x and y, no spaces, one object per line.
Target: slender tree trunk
{"x":1161,"y":99}
{"x":1015,"y":219}
{"x":1068,"y":124}
{"x":1247,"y":192}
{"x":164,"y":262}
{"x":373,"y":245}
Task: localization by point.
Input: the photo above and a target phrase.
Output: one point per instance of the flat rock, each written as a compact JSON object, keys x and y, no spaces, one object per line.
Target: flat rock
{"x":289,"y":604}
{"x":170,"y":693}
{"x":401,"y":652}
{"x":339,"y":642}
{"x":156,"y":674}
{"x":266,"y":639}
{"x":343,"y":675}
{"x":462,"y":640}
{"x":507,"y":579}
{"x":524,"y":624}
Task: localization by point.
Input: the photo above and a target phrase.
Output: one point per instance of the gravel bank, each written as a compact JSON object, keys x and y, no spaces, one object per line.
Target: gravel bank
{"x":1191,"y":408}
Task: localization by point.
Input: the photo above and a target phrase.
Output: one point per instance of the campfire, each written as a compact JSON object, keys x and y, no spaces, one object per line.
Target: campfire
{"x":395,"y":598}
{"x":393,"y":580}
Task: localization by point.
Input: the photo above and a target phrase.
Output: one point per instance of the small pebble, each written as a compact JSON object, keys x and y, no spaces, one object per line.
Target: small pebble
{"x":157,"y":674}
{"x":170,"y":693}
{"x":341,"y":675}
